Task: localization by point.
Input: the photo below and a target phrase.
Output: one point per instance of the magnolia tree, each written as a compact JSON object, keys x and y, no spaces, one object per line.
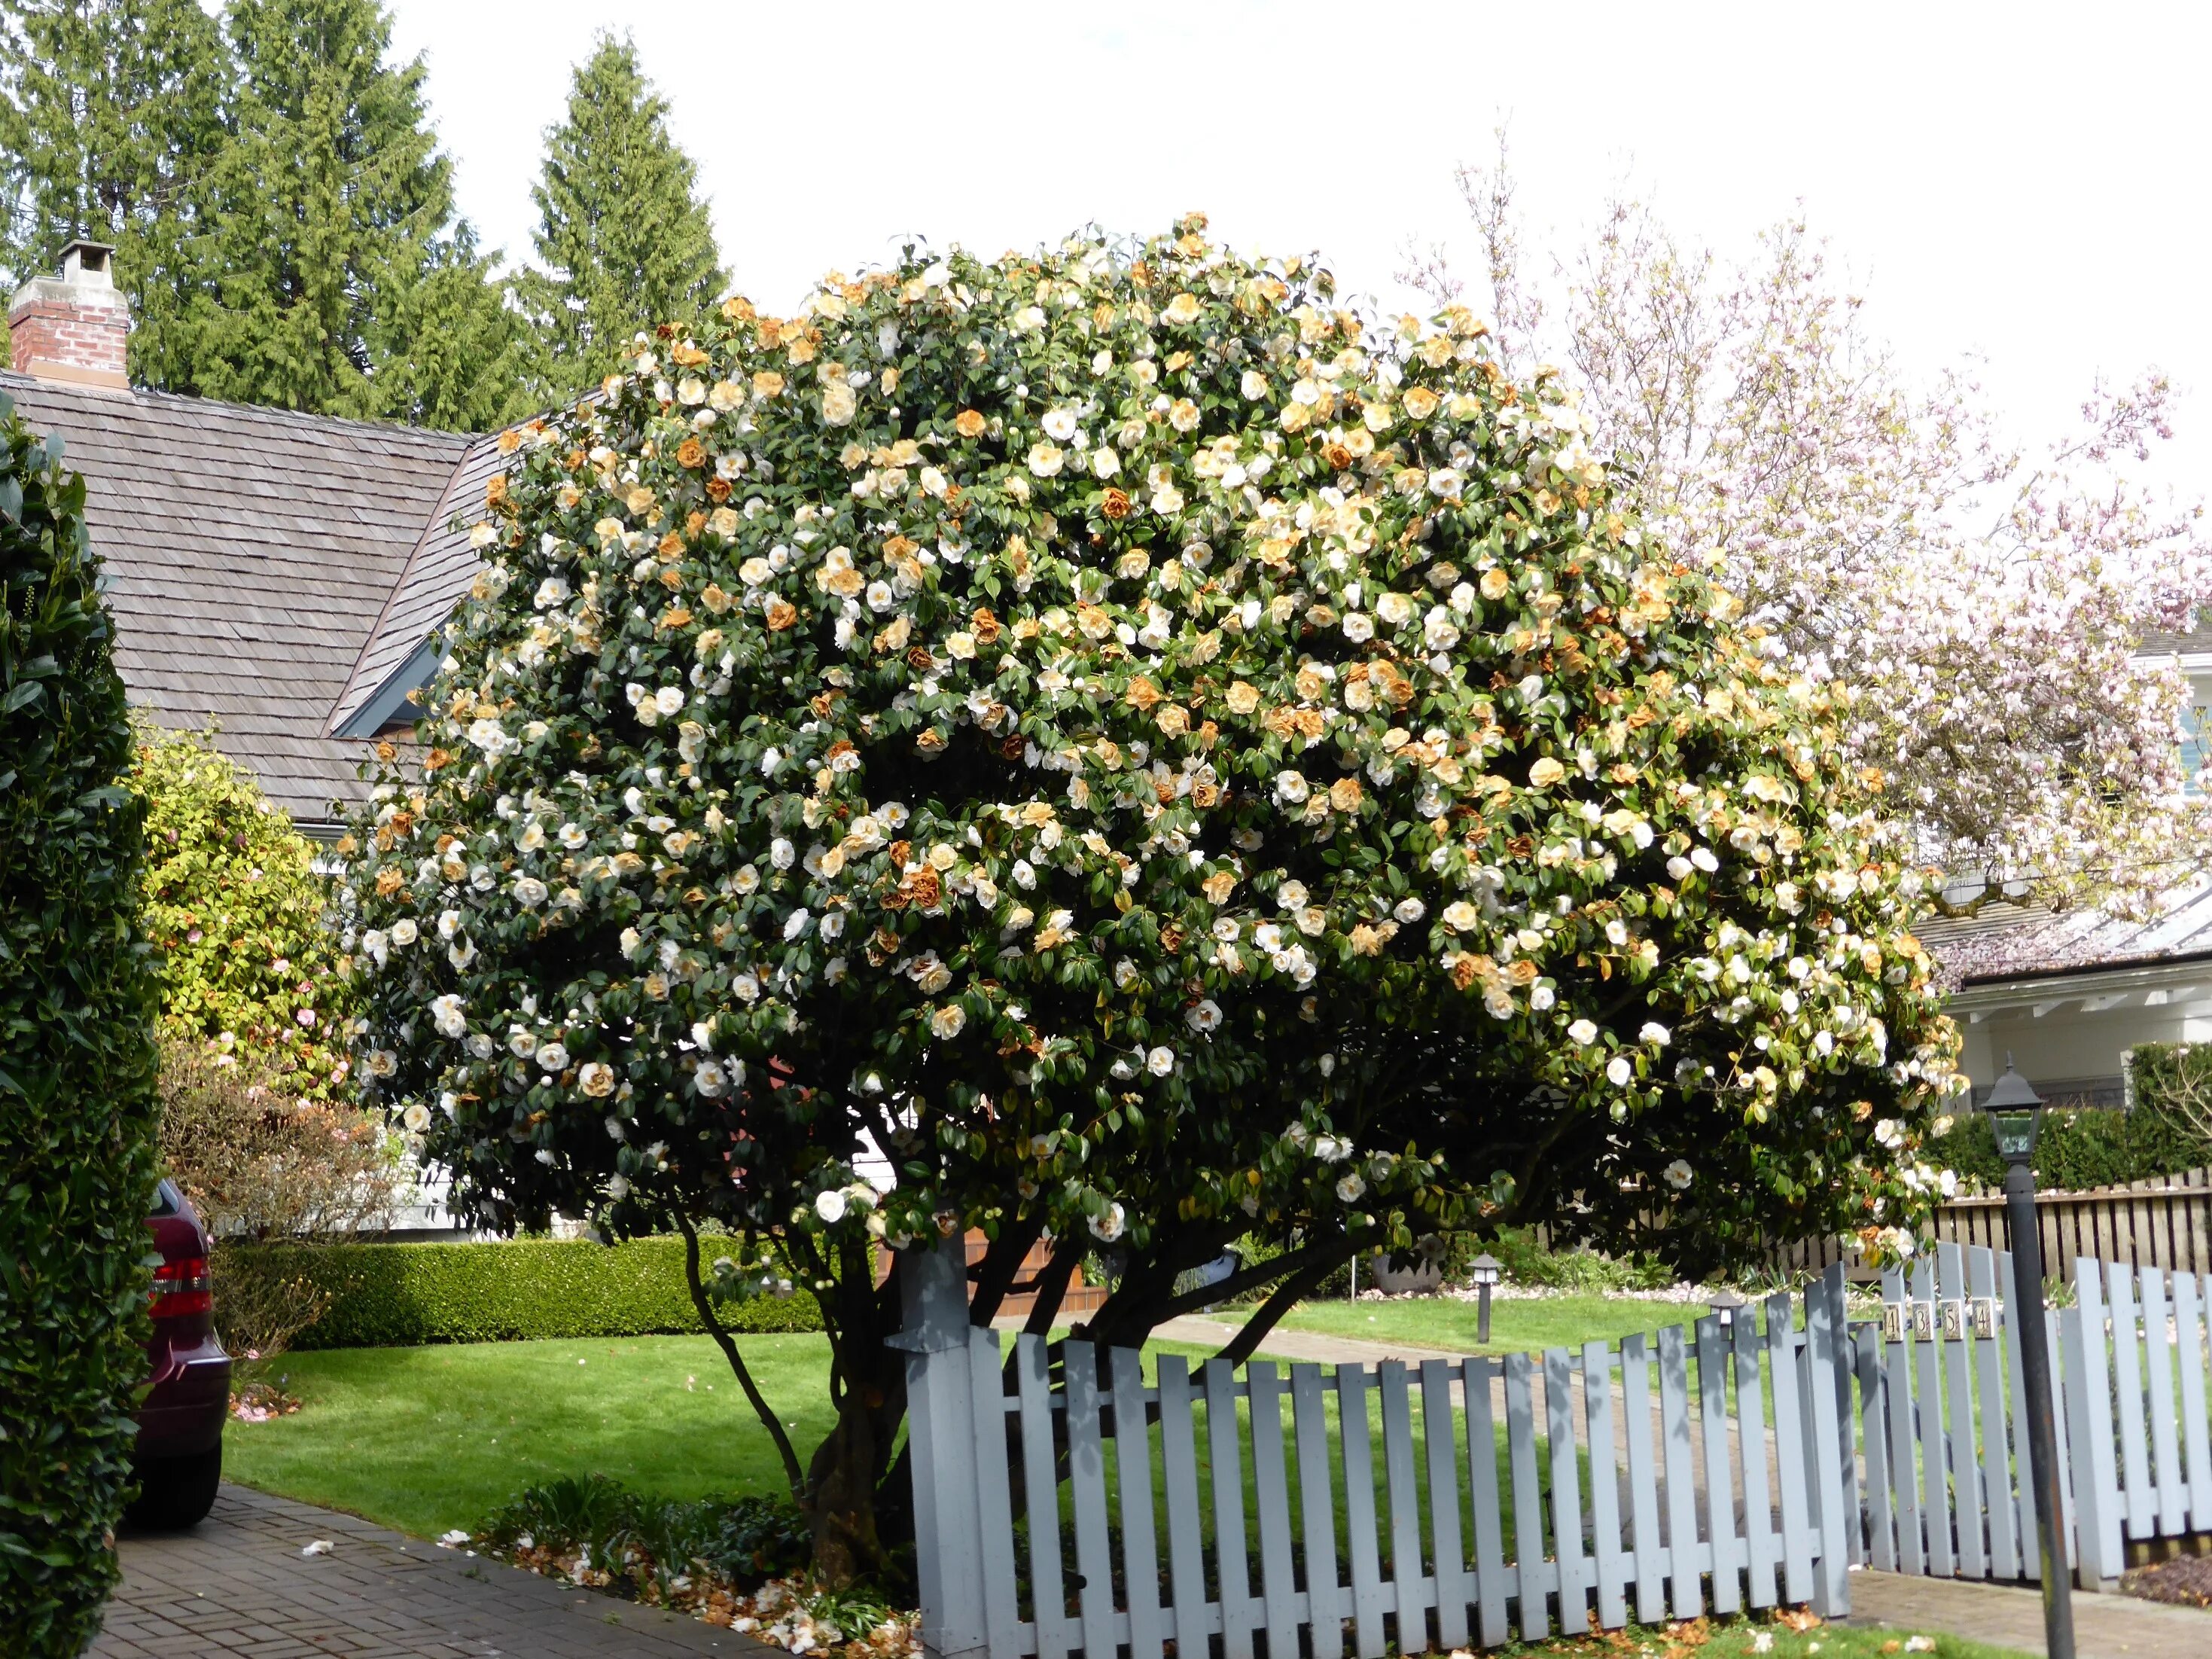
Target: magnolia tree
{"x":1984,"y":602}
{"x":1159,"y":759}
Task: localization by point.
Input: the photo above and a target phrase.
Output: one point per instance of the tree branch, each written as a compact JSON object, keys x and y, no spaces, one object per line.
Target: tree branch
{"x":1286,"y":1296}
{"x":704,"y":1304}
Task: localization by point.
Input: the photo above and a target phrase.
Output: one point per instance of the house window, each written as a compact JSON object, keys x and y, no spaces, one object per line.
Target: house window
{"x":2196,"y":753}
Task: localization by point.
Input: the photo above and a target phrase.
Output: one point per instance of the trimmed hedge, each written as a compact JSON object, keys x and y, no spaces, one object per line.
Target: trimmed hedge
{"x":76,"y":1066}
{"x":2094,"y":1146}
{"x":392,"y":1295}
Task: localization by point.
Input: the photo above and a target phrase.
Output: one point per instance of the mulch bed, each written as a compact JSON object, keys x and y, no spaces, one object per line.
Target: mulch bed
{"x":2185,"y":1581}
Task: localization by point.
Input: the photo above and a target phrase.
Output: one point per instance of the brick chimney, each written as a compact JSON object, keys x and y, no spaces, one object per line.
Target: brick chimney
{"x":72,"y":327}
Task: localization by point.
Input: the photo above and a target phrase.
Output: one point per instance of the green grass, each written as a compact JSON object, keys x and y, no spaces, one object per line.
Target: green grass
{"x":1517,"y":1326}
{"x":426,"y":1439}
{"x":1730,"y":1638}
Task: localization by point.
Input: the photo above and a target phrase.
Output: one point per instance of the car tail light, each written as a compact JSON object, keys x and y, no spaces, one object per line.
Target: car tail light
{"x":182,"y":1287}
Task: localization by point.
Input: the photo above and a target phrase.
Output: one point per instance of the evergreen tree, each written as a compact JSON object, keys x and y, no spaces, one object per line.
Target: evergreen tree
{"x":623,"y":241}
{"x":111,"y":118}
{"x":343,"y":283}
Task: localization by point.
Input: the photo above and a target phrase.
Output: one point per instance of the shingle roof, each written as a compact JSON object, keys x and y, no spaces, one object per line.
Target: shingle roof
{"x":2018,"y":942}
{"x":439,"y":570}
{"x":250,"y":552}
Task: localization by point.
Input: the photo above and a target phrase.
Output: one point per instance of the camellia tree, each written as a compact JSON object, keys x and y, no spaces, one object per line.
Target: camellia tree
{"x":1986,"y":601}
{"x":1158,"y":759}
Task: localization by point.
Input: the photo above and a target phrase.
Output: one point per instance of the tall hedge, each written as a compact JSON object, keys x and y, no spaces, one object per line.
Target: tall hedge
{"x":77,"y":1065}
{"x":2101,"y":1147}
{"x":384,"y":1295}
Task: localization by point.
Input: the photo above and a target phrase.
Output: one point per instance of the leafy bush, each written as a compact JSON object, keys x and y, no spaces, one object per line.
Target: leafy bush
{"x":1527,"y":1260}
{"x":234,"y":904}
{"x":741,"y":1540}
{"x":2100,"y":1146}
{"x":77,"y":1065}
{"x":405,"y":1295}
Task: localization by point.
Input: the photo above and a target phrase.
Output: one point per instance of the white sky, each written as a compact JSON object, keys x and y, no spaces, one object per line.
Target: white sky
{"x":2018,"y":185}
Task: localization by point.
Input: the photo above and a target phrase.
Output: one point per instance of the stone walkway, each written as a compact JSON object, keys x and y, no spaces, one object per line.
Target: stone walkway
{"x":2105,"y":1626}
{"x":237,"y":1585}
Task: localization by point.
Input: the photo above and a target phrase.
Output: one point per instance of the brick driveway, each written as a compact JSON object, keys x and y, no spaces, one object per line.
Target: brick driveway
{"x":237,"y":1584}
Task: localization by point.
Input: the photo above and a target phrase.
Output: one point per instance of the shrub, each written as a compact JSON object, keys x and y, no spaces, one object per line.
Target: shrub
{"x":742,"y":1540}
{"x":2099,"y":1146}
{"x":405,"y":1295}
{"x":77,"y":1065}
{"x":234,"y":904}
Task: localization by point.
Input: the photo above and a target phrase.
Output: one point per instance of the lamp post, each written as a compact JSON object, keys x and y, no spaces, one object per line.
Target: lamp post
{"x":2016,"y":1116}
{"x":1483,"y":1269}
{"x":1726,"y":1305}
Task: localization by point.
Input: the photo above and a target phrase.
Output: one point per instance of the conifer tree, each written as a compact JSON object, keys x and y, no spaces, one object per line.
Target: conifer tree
{"x":111,"y":118}
{"x":623,"y":241}
{"x":343,"y":282}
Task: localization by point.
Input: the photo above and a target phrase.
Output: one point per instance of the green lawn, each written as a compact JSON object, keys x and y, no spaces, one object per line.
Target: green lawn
{"x":1516,"y":1327}
{"x":426,"y":1439}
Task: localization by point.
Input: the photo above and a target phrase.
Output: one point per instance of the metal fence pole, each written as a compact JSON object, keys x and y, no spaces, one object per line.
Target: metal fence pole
{"x":2042,"y":1429}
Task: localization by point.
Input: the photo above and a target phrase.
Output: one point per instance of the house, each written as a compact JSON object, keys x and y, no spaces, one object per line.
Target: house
{"x":273,"y":574}
{"x":2067,"y":996}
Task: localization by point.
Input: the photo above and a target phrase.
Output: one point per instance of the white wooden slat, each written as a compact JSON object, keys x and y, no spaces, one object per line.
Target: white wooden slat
{"x":2018,"y":1308}
{"x":1727,"y":1549}
{"x":1056,"y":1632}
{"x":1643,"y":1480}
{"x":1413,"y":1591}
{"x":1086,"y":1472}
{"x":1611,"y":1565}
{"x":1789,"y":1449}
{"x":1240,"y":1613}
{"x":1827,"y":1431}
{"x":2098,"y":1526}
{"x":1539,"y":1577}
{"x":1997,"y":1497}
{"x":1841,"y":1480}
{"x":1369,"y":1636}
{"x":1132,"y":1467}
{"x":1928,"y":1394}
{"x":2165,"y":1425}
{"x":1903,"y":1433}
{"x":1874,"y":1420}
{"x":1687,"y":1558}
{"x":1955,"y":1334}
{"x":1455,"y":1589}
{"x":1493,"y":1583}
{"x":1271,"y":1496}
{"x":1762,"y":1544}
{"x":1195,"y":1618}
{"x":1326,"y":1602}
{"x":2138,"y":1504}
{"x":2189,"y":1338}
{"x":1575,"y":1575}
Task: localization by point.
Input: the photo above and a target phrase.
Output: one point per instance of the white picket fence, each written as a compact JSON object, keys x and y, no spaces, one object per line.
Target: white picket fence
{"x":1697,"y":1469}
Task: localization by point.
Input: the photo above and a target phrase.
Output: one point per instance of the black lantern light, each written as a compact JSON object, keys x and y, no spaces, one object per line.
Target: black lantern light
{"x":2016,"y":1113}
{"x":1483,"y":1270}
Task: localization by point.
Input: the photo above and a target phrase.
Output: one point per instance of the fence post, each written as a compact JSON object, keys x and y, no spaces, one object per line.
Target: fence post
{"x":948,"y":1544}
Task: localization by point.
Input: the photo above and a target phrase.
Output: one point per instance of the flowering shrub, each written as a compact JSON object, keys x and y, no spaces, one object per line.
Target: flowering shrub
{"x":76,"y":1066}
{"x":1155,"y":756}
{"x":234,"y":904}
{"x":1986,"y":601}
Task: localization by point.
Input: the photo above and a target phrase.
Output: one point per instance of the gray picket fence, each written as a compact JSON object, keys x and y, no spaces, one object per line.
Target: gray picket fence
{"x":1064,"y":1503}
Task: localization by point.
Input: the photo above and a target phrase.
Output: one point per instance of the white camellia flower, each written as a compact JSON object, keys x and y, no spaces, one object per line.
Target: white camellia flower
{"x":948,"y":1021}
{"x":1160,"y":1062}
{"x":1204,"y":1015}
{"x":1060,"y":424}
{"x":446,"y":1013}
{"x":404,"y":932}
{"x":553,"y":1057}
{"x":1618,"y":1071}
{"x":596,"y":1078}
{"x":1409,"y":911}
{"x":1584,"y":1032}
{"x":710,"y":1079}
{"x":529,"y":892}
{"x":830,"y":1206}
{"x":1652,"y":1031}
{"x":1109,"y":1226}
{"x":417,"y":1117}
{"x":1678,"y":1174}
{"x":1351,"y":1187}
{"x":1290,"y":788}
{"x":780,"y":853}
{"x":668,"y":700}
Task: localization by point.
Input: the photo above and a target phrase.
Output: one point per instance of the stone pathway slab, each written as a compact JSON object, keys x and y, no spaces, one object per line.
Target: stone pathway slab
{"x":237,"y":1585}
{"x":2105,"y":1626}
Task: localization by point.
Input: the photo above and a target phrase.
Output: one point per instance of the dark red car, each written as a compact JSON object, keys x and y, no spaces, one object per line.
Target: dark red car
{"x":180,"y":1454}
